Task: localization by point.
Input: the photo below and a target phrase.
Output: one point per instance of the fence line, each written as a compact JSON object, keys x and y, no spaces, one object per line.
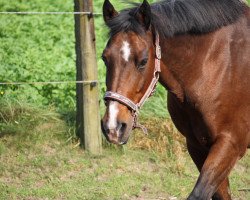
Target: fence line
{"x":91,"y":82}
{"x":50,"y":13}
{"x":51,"y":82}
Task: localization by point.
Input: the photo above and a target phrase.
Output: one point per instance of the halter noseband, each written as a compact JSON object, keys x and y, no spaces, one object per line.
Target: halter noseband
{"x":135,"y":107}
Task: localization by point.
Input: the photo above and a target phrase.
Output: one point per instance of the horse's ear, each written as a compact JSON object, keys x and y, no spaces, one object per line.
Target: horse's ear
{"x":143,"y":14}
{"x":109,"y":11}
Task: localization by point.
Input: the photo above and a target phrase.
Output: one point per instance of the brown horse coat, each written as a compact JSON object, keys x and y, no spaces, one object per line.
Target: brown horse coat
{"x":205,"y":67}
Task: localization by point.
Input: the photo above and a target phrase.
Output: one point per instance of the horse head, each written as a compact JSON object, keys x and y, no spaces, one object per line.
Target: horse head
{"x":131,"y":72}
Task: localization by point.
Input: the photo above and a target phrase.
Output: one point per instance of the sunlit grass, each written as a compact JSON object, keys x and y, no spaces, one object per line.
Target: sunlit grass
{"x":40,"y":158}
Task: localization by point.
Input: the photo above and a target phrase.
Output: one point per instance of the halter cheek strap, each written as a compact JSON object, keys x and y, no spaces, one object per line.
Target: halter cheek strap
{"x":135,"y":107}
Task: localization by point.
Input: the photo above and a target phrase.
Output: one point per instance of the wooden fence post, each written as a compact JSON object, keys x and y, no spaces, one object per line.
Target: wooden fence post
{"x":88,"y":115}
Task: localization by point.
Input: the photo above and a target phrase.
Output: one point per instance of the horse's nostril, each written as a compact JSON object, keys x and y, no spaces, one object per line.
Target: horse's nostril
{"x":119,"y":126}
{"x":123,"y":128}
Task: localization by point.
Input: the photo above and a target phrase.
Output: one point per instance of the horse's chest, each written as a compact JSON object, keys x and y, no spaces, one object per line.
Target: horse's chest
{"x":189,"y":121}
{"x":199,"y":131}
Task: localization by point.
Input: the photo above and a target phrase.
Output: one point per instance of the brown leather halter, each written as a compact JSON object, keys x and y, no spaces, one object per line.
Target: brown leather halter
{"x":135,"y":107}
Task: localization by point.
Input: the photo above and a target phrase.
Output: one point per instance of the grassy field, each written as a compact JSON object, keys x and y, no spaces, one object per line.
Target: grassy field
{"x":40,"y":159}
{"x":39,"y":153}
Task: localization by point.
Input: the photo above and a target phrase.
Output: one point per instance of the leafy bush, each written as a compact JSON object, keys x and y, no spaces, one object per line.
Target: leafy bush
{"x":41,"y":48}
{"x":38,"y":48}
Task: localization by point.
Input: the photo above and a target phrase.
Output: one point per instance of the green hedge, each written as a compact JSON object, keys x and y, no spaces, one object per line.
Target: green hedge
{"x":41,"y":48}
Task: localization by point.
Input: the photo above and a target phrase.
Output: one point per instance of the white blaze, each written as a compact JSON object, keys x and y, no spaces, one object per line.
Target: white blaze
{"x":113,"y":112}
{"x":125,"y":51}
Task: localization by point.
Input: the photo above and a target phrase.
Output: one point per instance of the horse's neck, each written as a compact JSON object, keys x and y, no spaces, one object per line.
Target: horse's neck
{"x":182,"y":61}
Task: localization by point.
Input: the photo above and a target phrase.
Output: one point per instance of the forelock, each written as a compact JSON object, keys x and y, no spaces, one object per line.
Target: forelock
{"x":125,"y":22}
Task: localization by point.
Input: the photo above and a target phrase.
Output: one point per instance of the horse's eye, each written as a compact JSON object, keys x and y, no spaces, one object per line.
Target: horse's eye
{"x":143,"y":63}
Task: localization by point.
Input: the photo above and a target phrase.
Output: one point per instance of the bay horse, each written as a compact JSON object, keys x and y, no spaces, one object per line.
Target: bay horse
{"x":199,"y":50}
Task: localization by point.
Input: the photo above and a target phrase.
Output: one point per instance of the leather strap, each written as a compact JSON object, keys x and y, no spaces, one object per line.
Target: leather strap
{"x":122,"y":99}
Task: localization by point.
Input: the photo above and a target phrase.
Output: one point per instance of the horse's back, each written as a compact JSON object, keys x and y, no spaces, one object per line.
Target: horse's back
{"x":227,"y":107}
{"x":222,"y":93}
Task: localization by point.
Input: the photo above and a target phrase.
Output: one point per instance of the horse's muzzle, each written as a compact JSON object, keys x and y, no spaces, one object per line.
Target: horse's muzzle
{"x":116,"y":136}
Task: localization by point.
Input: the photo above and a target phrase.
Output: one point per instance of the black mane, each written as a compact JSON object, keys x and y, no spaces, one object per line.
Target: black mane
{"x":172,"y":17}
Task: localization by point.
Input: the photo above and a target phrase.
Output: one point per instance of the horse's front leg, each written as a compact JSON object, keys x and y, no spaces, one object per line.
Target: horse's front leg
{"x":223,"y":192}
{"x":199,"y":156}
{"x":218,"y":164}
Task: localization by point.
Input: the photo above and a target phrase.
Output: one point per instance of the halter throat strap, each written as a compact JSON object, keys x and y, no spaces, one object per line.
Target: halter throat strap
{"x":135,"y":107}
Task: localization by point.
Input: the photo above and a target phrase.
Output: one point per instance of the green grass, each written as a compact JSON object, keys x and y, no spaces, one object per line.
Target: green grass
{"x":40,"y":159}
{"x":38,"y":48}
